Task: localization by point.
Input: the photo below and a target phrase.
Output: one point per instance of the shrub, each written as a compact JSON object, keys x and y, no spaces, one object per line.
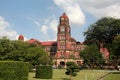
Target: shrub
{"x":44,"y":72}
{"x":13,"y":70}
{"x":72,"y":68}
{"x":31,"y":68}
{"x":83,"y":66}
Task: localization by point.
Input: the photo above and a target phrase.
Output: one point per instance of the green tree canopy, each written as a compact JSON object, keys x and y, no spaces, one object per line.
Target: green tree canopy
{"x":22,"y":51}
{"x":115,"y":51}
{"x":106,"y":33}
{"x":92,"y":56}
{"x":103,"y":31}
{"x":5,"y":47}
{"x":115,"y":46}
{"x":37,"y":55}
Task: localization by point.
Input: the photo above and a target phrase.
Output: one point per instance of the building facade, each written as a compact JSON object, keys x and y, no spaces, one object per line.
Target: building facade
{"x":65,"y":48}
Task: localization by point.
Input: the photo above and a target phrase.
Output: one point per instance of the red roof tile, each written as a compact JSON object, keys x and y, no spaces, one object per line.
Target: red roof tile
{"x":72,"y":39}
{"x":32,"y":41}
{"x":64,"y":16}
{"x":49,"y":43}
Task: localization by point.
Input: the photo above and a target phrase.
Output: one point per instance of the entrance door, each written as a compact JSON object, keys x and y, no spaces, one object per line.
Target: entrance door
{"x":62,"y":64}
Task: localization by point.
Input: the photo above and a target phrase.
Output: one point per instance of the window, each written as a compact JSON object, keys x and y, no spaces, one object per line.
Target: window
{"x":62,"y":29}
{"x":62,"y":43}
{"x":62,"y":37}
{"x":72,"y":47}
{"x":62,"y":47}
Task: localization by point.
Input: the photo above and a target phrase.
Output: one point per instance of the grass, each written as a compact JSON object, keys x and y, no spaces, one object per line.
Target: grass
{"x":59,"y":74}
{"x":113,"y":76}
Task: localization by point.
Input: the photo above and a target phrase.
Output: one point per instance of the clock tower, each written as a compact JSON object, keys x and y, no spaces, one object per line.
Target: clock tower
{"x":63,"y":37}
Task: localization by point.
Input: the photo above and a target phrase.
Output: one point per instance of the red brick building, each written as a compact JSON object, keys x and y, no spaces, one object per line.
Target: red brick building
{"x":66,"y":48}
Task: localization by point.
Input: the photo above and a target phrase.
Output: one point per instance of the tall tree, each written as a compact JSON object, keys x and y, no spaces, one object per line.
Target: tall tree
{"x":22,"y":51}
{"x":37,"y":55}
{"x":115,"y":46}
{"x":5,"y":47}
{"x":20,"y":48}
{"x":92,"y":56}
{"x":115,"y":51}
{"x":103,"y":31}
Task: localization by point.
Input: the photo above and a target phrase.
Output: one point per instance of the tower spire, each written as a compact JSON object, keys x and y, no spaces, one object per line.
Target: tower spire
{"x":64,"y":16}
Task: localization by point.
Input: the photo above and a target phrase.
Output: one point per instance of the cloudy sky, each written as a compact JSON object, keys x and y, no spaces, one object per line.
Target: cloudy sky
{"x":39,"y":18}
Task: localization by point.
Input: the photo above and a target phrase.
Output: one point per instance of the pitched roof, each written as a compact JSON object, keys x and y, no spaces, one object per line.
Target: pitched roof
{"x":72,"y":39}
{"x":49,"y":43}
{"x":33,"y":40}
{"x":64,"y":16}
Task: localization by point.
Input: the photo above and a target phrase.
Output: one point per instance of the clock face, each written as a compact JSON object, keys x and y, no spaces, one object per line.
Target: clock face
{"x":62,"y":29}
{"x":62,"y":18}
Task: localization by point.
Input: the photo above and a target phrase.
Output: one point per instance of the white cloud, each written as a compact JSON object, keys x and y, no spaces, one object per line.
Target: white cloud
{"x":53,"y":25}
{"x":101,"y":8}
{"x":5,"y":29}
{"x":37,"y":23}
{"x":44,"y":29}
{"x":3,"y":24}
{"x":98,"y":8}
{"x":73,"y":10}
{"x":48,"y":27}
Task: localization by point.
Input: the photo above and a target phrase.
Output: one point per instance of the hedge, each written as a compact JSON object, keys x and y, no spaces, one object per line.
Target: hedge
{"x":13,"y":70}
{"x":31,"y":68}
{"x":44,"y":72}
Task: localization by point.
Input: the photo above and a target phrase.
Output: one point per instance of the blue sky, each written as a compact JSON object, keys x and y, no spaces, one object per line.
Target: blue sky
{"x":39,"y":18}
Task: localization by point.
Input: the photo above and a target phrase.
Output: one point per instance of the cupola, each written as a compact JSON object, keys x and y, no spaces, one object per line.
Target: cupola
{"x":64,"y":16}
{"x":64,"y":20}
{"x":21,"y":37}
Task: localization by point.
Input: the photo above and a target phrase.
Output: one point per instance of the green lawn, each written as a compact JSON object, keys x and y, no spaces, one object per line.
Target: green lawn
{"x":59,"y":74}
{"x":113,"y":76}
